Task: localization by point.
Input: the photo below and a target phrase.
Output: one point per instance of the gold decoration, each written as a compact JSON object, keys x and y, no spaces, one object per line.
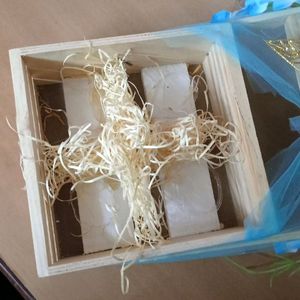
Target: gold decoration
{"x":289,"y":50}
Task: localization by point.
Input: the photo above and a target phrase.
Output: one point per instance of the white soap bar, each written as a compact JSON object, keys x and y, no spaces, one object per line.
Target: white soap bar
{"x":77,"y":93}
{"x":99,"y":225}
{"x":168,"y":89}
{"x":189,"y":199}
{"x":97,"y":222}
{"x":188,"y":195}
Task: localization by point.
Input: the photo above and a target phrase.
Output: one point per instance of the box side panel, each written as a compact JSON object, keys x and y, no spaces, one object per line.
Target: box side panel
{"x":28,"y":159}
{"x":247,"y":176}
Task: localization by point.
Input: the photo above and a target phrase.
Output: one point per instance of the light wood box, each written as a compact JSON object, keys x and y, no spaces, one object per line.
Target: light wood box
{"x":247,"y":179}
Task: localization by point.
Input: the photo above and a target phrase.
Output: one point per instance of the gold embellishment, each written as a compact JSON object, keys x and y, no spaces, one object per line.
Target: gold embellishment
{"x":289,"y":50}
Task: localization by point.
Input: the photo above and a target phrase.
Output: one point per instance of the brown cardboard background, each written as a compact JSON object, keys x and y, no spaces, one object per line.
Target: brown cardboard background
{"x":32,"y":22}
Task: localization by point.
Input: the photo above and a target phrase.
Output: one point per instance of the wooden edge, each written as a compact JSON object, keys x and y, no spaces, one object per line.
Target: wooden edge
{"x":248,"y":181}
{"x":103,"y":41}
{"x":230,"y":249}
{"x":28,"y":160}
{"x":96,"y":260}
{"x":254,"y":169}
{"x":105,"y":259}
{"x":51,"y":236}
{"x":75,"y":46}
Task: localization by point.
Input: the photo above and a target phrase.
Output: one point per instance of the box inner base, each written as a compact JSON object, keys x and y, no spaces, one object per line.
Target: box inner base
{"x":67,"y":227}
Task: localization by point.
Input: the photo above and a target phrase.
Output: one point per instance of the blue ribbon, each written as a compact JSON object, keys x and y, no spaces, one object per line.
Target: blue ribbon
{"x":295,"y":124}
{"x":287,"y":247}
{"x":253,"y":8}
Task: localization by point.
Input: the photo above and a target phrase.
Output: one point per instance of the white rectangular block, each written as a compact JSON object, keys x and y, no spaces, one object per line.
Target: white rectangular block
{"x":78,"y":92}
{"x":187,"y":190}
{"x":168,"y":89}
{"x":98,"y":224}
{"x":189,"y":200}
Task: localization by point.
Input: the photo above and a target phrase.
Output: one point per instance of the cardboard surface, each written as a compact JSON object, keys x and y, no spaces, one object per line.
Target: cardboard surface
{"x":25,"y":23}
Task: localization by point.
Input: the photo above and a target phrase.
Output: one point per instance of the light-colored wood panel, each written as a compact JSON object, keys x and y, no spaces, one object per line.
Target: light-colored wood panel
{"x":248,"y":181}
{"x":29,"y":161}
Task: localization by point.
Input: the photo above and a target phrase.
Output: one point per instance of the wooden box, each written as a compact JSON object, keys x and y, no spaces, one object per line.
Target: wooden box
{"x":247,"y":179}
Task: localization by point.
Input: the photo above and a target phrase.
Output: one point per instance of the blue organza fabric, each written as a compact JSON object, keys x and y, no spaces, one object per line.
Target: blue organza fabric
{"x":246,"y":41}
{"x":268,"y":72}
{"x":253,"y":8}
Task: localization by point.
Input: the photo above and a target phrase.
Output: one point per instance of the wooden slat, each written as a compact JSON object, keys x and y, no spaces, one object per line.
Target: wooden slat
{"x":30,"y":167}
{"x":247,"y":179}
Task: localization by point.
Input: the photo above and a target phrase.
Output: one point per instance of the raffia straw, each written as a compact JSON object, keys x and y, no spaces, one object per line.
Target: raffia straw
{"x":132,"y":149}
